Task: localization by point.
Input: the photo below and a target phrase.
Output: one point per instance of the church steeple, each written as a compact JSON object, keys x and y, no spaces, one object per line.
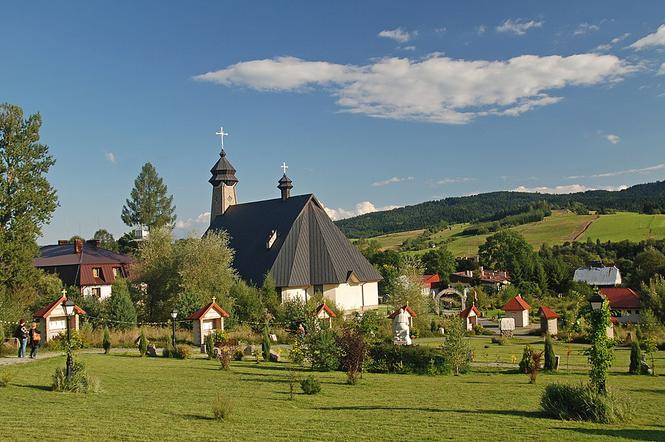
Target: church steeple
{"x":285,"y":184}
{"x":223,"y":182}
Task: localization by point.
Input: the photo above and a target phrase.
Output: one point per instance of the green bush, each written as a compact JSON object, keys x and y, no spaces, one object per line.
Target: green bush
{"x":221,"y":407}
{"x":499,"y":340}
{"x":583,"y":403}
{"x":80,"y":382}
{"x":265,"y":344}
{"x":5,"y":378}
{"x":526,"y":363}
{"x":635,"y":358}
{"x":106,"y":340}
{"x":168,"y":351}
{"x":183,"y":352}
{"x":390,"y":358}
{"x":309,"y":385}
{"x":320,"y":349}
{"x":210,"y":346}
{"x":550,"y":357}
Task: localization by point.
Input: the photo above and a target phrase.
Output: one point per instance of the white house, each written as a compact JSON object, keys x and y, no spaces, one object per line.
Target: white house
{"x":470,"y":316}
{"x":518,"y":309}
{"x":52,"y":319}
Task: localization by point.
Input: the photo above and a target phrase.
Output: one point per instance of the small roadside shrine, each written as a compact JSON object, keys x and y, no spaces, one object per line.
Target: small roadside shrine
{"x":206,"y":319}
{"x":548,"y":320}
{"x":402,"y":323}
{"x":323,"y":313}
{"x":518,"y":309}
{"x":52,"y":319}
{"x":470,"y":317}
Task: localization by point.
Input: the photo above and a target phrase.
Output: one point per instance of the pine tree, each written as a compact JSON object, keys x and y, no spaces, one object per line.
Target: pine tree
{"x":143,"y":343}
{"x":635,"y":358}
{"x":149,"y":204}
{"x":27,"y":200}
{"x":550,"y":357}
{"x":121,"y":310}
{"x":106,"y":341}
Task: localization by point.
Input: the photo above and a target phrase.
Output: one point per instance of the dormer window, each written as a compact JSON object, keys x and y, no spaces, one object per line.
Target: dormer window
{"x":96,"y":272}
{"x":116,"y":272}
{"x":271,"y":239}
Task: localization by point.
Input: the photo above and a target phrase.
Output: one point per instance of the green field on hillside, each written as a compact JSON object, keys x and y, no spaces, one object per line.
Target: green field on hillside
{"x":167,"y":399}
{"x":558,"y":228}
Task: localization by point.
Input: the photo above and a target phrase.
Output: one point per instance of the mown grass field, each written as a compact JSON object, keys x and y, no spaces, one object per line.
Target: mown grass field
{"x":166,"y":399}
{"x":558,"y":228}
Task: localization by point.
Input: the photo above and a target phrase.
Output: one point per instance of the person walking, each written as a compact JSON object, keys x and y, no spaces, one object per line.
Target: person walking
{"x":35,"y":340}
{"x":22,"y":336}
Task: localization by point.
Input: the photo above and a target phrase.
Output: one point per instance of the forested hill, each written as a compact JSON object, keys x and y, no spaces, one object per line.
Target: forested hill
{"x":644,"y":198}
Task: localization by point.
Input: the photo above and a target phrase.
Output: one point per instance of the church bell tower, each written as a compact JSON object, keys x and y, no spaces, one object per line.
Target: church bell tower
{"x":223,"y":182}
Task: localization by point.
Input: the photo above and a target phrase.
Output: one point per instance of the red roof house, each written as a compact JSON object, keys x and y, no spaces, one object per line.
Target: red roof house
{"x":547,"y":313}
{"x":518,"y":309}
{"x":625,"y":303}
{"x":470,"y":316}
{"x":324,"y":312}
{"x":53,"y":321}
{"x":548,"y":320}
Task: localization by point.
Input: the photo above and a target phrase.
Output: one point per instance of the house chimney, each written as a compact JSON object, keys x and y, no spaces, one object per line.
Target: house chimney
{"x":78,"y":246}
{"x":63,"y":242}
{"x":93,"y":242}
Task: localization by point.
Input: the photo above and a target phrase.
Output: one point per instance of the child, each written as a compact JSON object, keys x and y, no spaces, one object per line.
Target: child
{"x":35,"y":340}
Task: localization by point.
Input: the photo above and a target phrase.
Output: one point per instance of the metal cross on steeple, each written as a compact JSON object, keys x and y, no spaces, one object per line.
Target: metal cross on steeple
{"x":284,"y":167}
{"x":222,"y":134}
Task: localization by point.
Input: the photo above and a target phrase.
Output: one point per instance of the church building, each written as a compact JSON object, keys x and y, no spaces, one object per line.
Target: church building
{"x":293,"y":239}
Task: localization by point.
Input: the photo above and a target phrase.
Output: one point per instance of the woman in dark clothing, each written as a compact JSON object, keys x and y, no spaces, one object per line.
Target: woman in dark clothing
{"x":35,"y":340}
{"x":22,"y":336}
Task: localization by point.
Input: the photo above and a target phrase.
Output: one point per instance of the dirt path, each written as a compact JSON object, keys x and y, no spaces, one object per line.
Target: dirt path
{"x":577,"y":235}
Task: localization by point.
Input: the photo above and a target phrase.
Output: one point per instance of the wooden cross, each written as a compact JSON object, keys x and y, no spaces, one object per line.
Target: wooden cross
{"x":222,"y":134}
{"x":214,"y":298}
{"x":284,"y":167}
{"x":64,"y":292}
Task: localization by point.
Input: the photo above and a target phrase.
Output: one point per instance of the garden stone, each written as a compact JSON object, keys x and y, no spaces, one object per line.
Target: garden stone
{"x":152,"y":351}
{"x":274,"y":357}
{"x":249,"y":350}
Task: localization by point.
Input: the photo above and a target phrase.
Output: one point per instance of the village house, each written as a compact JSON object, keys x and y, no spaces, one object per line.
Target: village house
{"x":487,"y":278}
{"x":430,"y":284}
{"x":293,"y":239}
{"x":548,"y":321}
{"x":84,"y":264}
{"x":518,"y":309}
{"x":598,"y":275}
{"x":625,"y":304}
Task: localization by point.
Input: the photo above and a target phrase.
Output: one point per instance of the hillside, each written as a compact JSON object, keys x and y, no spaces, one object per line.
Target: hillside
{"x":643,"y":198}
{"x":558,"y":228}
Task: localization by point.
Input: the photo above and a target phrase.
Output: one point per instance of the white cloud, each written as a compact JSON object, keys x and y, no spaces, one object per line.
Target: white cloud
{"x":585,"y":28}
{"x":607,"y":46}
{"x":110,"y":157}
{"x":519,"y":26}
{"x":661,"y":70}
{"x":651,"y":40}
{"x":435,"y":89}
{"x":398,"y":34}
{"x":643,"y":170}
{"x":480,"y":30}
{"x":360,"y":209}
{"x":408,"y":48}
{"x":570,"y":188}
{"x":455,"y":180}
{"x":202,"y":219}
{"x":392,"y":180}
{"x":614,"y":139}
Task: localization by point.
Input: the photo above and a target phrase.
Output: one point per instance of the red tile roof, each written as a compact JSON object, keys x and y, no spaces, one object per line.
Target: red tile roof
{"x":407,"y":308}
{"x":486,"y":276}
{"x":431,"y":279}
{"x":517,"y":304}
{"x":326,"y":308}
{"x":203,"y":310}
{"x":547,"y":312}
{"x":45,"y":311}
{"x":467,"y":311}
{"x":621,"y":298}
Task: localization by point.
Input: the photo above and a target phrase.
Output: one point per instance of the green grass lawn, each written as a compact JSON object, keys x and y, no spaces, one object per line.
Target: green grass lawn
{"x":626,"y":225}
{"x":558,"y":228}
{"x":166,"y":399}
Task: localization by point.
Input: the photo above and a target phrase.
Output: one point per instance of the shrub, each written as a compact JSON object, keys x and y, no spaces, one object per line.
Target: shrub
{"x":499,"y":340}
{"x":265,"y":345}
{"x":183,"y":352}
{"x":5,"y":378}
{"x":353,"y":351}
{"x":390,"y":358}
{"x":168,"y":351}
{"x":226,"y":352}
{"x":221,"y":407}
{"x":321,"y":350}
{"x":210,"y":346}
{"x":5,"y":349}
{"x":143,"y":344}
{"x":584,"y":403}
{"x":550,"y":357}
{"x":106,"y":341}
{"x":455,"y":348}
{"x":309,"y":385}
{"x":527,"y":360}
{"x":635,"y":358}
{"x":80,"y":381}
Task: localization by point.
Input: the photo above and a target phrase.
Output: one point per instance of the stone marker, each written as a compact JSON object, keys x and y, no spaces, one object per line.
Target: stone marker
{"x":274,"y":357}
{"x":152,"y":351}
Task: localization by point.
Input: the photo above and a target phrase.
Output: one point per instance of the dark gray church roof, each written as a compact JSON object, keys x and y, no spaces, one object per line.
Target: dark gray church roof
{"x":309,"y":248}
{"x":223,"y":171}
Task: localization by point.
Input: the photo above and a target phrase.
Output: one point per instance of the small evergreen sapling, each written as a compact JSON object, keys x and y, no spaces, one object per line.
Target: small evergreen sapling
{"x":265,"y":345}
{"x":635,"y":358}
{"x":143,"y":344}
{"x":550,"y":357}
{"x":210,"y":346}
{"x":106,"y":341}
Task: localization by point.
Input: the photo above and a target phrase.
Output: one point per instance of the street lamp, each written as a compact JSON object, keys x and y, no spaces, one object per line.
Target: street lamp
{"x":600,"y":353}
{"x":174,"y":314}
{"x":68,"y":306}
{"x":596,"y":301}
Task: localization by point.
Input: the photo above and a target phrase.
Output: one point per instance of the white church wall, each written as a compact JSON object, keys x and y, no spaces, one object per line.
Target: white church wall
{"x":292,"y":293}
{"x":353,"y":296}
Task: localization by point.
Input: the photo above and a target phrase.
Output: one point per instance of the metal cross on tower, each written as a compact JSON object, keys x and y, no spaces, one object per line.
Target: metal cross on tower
{"x":222,"y":134}
{"x":284,"y":167}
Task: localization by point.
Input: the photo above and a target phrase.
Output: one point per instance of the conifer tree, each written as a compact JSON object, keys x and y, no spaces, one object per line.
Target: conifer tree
{"x":106,"y":340}
{"x":149,"y":203}
{"x":635,"y":357}
{"x":455,"y":347}
{"x":143,"y":343}
{"x":120,"y":308}
{"x":550,"y":357}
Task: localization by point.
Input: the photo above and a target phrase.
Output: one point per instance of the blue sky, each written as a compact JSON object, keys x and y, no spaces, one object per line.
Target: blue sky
{"x":371,"y":104}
